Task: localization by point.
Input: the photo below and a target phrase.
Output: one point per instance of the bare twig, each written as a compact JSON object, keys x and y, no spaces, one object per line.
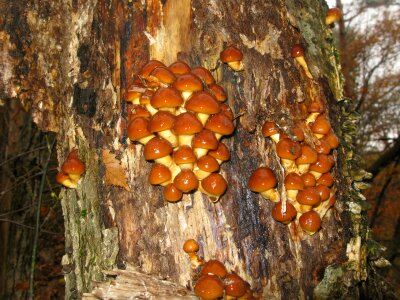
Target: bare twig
{"x":27,"y":226}
{"x":22,"y":154}
{"x":37,"y":218}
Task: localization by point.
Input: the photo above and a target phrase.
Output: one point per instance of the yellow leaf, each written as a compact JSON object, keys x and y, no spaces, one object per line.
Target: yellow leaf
{"x":115,"y":172}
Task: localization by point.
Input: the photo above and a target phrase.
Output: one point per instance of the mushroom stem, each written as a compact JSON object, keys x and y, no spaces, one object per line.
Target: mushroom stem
{"x":165,"y":160}
{"x":195,"y":261}
{"x":271,"y":194}
{"x":303,"y":168}
{"x":185,"y":140}
{"x":236,"y":66}
{"x":170,"y":137}
{"x":145,"y":140}
{"x":302,"y":62}
{"x":289,"y":165}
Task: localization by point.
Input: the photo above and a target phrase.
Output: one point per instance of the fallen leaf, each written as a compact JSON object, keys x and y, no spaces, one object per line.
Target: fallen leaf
{"x":115,"y":172}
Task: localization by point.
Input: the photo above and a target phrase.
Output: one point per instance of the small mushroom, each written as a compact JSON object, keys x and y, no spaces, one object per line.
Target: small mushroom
{"x":186,"y":126}
{"x":333,"y":15}
{"x":298,"y":55}
{"x":203,"y":104}
{"x":171,"y":193}
{"x":159,"y":150}
{"x":162,"y":124}
{"x":187,"y":84}
{"x":310,"y":222}
{"x":288,"y":151}
{"x":191,"y":247}
{"x":186,"y":181}
{"x":209,"y":287}
{"x":284,"y":217}
{"x":234,"y":286}
{"x":214,"y":267}
{"x":213,"y":186}
{"x":269,"y":129}
{"x":138,"y":130}
{"x":233,"y":57}
{"x":293,"y":184}
{"x":159,"y":175}
{"x":263,"y":181}
{"x":308,"y":156}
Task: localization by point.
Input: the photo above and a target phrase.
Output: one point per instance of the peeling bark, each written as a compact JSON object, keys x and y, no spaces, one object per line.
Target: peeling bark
{"x":79,"y":59}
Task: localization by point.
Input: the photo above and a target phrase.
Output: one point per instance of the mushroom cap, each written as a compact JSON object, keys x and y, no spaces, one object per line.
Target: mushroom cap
{"x":157,"y":147}
{"x":188,"y":82}
{"x":321,"y":125}
{"x":308,"y":179}
{"x":149,"y":67}
{"x":191,"y":246}
{"x":214,"y":267}
{"x":221,"y":153}
{"x":332,"y":200}
{"x":205,"y":139}
{"x":322,"y":165}
{"x":209,"y":287}
{"x":73,"y":166}
{"x":163,"y":74}
{"x":203,"y":102}
{"x":298,"y":132}
{"x":187,"y":124}
{"x":220,"y":123}
{"x":269,"y":128}
{"x":208,"y":163}
{"x":184,"y":155}
{"x":324,"y":192}
{"x":293,"y":181}
{"x":315,"y":107}
{"x":308,"y":196}
{"x":310,"y":222}
{"x":235,"y":286}
{"x":285,"y":217}
{"x":204,"y":75}
{"x":308,"y":155}
{"x":262,"y":179}
{"x":230,"y":54}
{"x":65,"y":180}
{"x":288,"y":149}
{"x":326,"y":179}
{"x":139,"y":111}
{"x":323,"y":147}
{"x":333,"y":15}
{"x":179,"y":68}
{"x":171,"y":193}
{"x":186,"y":181}
{"x":138,"y":129}
{"x":166,"y":97}
{"x":297,"y":50}
{"x":218,"y":92}
{"x":159,"y":174}
{"x":161,"y":121}
{"x":226,"y":110}
{"x":145,"y":98}
{"x":214,"y":184}
{"x":332,"y":139}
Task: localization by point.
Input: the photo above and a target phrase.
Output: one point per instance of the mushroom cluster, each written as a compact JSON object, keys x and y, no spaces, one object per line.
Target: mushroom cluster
{"x":179,"y":115}
{"x":308,"y":189}
{"x":71,"y":170}
{"x":213,"y":280}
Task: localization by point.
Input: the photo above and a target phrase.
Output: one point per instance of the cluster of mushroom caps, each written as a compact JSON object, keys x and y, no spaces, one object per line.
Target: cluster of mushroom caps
{"x":179,"y":115}
{"x":214,"y":281}
{"x":71,"y":170}
{"x":308,"y":189}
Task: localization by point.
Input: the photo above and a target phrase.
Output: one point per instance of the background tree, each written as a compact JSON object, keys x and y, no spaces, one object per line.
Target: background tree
{"x":369,"y":47}
{"x":72,"y":63}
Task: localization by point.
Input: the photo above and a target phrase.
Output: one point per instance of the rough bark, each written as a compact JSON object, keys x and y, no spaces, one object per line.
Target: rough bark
{"x":78,"y":57}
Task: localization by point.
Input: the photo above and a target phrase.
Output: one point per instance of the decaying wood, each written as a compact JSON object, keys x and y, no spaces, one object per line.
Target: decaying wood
{"x":80,"y":59}
{"x":130,"y":284}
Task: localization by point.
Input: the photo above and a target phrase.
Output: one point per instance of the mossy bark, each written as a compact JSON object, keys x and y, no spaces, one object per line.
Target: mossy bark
{"x":80,"y":56}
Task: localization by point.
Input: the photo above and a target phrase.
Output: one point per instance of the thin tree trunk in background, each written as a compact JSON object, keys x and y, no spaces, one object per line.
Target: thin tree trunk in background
{"x":74,"y":63}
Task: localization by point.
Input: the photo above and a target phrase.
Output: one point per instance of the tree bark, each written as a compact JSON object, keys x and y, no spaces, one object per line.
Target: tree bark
{"x":75,"y":60}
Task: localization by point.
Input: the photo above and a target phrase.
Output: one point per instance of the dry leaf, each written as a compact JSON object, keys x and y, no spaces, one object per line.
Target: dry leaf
{"x":115,"y":173}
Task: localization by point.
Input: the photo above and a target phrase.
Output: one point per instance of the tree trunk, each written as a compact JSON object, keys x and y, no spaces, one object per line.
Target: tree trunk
{"x":72,"y":61}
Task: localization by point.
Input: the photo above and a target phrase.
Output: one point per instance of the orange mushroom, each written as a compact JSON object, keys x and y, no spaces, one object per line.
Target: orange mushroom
{"x":233,"y":57}
{"x":263,"y":181}
{"x":298,"y":55}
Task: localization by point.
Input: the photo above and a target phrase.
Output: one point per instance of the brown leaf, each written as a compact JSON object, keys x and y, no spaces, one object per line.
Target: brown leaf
{"x":115,"y":173}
